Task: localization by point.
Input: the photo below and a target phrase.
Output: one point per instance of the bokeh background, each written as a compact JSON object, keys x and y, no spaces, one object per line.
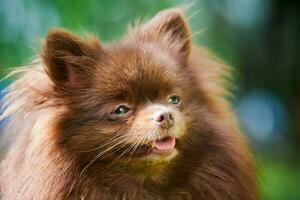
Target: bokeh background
{"x":259,"y":38}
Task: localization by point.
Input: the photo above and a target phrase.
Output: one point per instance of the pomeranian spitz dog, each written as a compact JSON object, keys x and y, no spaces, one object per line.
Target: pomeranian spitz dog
{"x":141,"y":118}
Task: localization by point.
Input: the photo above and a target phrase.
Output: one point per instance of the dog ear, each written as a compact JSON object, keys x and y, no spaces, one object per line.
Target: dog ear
{"x":68,"y":59}
{"x":168,"y":29}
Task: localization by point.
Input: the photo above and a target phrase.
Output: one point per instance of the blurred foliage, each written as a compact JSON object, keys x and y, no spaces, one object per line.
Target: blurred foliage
{"x":259,"y":38}
{"x":279,"y":181}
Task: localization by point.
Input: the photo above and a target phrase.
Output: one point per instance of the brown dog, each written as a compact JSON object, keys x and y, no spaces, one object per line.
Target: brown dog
{"x":142,"y":118}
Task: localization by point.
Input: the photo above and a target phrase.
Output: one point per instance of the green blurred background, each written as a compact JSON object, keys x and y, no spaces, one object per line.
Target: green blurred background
{"x":260,"y":38}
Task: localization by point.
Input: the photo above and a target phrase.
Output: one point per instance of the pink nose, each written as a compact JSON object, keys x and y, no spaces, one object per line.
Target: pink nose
{"x":165,"y":119}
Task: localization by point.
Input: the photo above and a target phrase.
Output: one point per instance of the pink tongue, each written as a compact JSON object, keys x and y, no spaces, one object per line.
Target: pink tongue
{"x":165,"y":144}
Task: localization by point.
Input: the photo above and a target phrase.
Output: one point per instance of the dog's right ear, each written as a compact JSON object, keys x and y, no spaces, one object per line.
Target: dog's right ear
{"x":68,"y":59}
{"x":169,"y":30}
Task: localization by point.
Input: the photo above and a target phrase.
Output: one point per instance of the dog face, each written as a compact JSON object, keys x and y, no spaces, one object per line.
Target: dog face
{"x":132,"y":100}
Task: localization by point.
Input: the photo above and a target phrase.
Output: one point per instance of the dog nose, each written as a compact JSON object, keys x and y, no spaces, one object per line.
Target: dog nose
{"x":165,"y":119}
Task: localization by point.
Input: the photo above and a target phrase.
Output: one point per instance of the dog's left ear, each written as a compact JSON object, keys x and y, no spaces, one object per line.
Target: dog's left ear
{"x":169,"y":30}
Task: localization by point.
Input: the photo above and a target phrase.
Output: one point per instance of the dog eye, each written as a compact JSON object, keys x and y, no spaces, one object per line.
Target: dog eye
{"x":174,"y":99}
{"x":121,"y":110}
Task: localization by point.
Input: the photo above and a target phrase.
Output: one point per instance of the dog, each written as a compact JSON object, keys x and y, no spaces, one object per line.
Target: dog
{"x":145,"y":117}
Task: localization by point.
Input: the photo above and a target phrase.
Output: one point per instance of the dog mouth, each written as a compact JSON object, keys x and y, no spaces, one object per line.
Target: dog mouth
{"x":158,"y":147}
{"x":165,"y":144}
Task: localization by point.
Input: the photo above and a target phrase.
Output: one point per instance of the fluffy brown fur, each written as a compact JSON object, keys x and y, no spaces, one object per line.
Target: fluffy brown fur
{"x":69,"y":143}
